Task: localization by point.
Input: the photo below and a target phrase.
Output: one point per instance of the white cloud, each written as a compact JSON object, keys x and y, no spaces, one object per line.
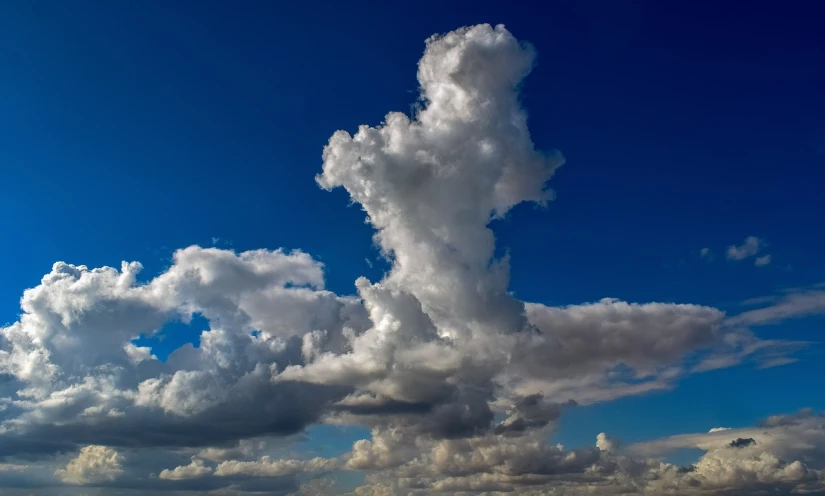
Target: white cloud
{"x":604,"y":443}
{"x":244,"y":449}
{"x":430,"y":185}
{"x":267,"y":467}
{"x":800,"y":435}
{"x":138,"y":354}
{"x":194,"y":470}
{"x":93,"y":464}
{"x":79,"y":379}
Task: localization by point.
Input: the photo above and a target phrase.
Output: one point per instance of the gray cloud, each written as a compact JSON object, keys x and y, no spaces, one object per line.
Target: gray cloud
{"x":742,"y":442}
{"x":750,"y":247}
{"x":762,"y":261}
{"x":797,"y":303}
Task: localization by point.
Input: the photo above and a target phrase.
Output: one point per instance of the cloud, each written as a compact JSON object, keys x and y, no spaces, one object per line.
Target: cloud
{"x":748,"y":248}
{"x":528,"y":465}
{"x":459,"y":382}
{"x":11,"y":467}
{"x":320,"y":486}
{"x":707,"y":254}
{"x":244,"y":449}
{"x":742,"y":442}
{"x":762,"y":261}
{"x":602,"y":334}
{"x":604,"y":443}
{"x":777,"y":362}
{"x":138,"y":354}
{"x":770,"y":462}
{"x":798,"y":434}
{"x":430,"y":186}
{"x":75,"y":380}
{"x":512,"y":456}
{"x":267,"y":467}
{"x":741,"y":345}
{"x":530,"y":412}
{"x":93,"y":464}
{"x":797,"y":303}
{"x":194,"y":470}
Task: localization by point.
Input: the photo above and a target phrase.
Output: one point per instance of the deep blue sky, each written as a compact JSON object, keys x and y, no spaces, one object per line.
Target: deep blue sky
{"x":130,"y":129}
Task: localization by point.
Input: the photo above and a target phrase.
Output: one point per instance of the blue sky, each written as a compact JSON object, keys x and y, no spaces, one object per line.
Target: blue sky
{"x":130,"y":130}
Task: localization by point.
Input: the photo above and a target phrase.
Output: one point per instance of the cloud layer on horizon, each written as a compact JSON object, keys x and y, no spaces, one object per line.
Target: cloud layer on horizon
{"x":459,"y":382}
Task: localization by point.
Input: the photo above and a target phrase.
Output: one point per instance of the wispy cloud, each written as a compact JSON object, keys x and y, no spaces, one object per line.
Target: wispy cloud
{"x":798,"y":303}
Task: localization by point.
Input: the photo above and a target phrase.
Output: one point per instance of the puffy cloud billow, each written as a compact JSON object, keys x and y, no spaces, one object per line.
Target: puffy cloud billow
{"x":459,"y":382}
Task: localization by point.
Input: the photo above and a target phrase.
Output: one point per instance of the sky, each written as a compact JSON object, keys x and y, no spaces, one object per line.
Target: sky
{"x":460,"y":248}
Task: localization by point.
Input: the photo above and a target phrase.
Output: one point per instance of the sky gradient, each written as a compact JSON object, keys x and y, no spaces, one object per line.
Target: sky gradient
{"x":461,"y":248}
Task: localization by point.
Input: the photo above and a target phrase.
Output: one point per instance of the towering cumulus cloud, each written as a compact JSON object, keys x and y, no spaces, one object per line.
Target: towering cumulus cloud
{"x":458,"y":381}
{"x":430,"y":186}
{"x":445,"y":330}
